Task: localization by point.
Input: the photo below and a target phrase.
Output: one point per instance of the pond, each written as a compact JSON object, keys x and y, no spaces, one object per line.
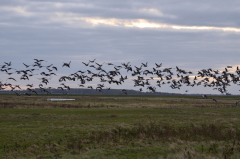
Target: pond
{"x":58,"y":99}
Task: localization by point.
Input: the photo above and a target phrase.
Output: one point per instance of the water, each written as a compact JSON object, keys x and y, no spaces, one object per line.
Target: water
{"x":57,"y":99}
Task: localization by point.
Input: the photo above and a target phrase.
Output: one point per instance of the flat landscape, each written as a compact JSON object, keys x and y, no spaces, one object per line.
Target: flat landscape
{"x":119,"y":127}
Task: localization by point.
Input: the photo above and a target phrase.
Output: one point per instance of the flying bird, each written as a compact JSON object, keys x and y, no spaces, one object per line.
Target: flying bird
{"x":214,"y":100}
{"x":12,"y":78}
{"x":158,"y":65}
{"x":66,"y":64}
{"x":26,"y":65}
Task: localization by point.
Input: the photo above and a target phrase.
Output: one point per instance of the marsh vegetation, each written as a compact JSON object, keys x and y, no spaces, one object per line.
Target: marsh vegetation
{"x":119,"y":127}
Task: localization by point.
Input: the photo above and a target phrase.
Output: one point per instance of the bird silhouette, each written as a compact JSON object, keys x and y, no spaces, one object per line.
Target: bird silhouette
{"x":214,"y":100}
{"x":175,"y":78}
{"x":66,"y":64}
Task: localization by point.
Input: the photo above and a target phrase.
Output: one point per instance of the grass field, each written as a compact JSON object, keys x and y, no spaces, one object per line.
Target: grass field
{"x":119,"y":127}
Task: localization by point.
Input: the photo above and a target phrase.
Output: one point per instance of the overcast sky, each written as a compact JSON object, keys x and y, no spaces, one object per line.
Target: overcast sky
{"x":193,"y":35}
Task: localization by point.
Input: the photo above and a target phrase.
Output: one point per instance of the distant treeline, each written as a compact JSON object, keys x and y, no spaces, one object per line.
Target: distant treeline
{"x":89,"y":91}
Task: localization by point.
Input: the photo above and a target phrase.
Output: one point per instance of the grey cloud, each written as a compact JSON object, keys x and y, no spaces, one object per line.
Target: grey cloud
{"x":24,"y":38}
{"x":200,"y":13}
{"x":170,"y":47}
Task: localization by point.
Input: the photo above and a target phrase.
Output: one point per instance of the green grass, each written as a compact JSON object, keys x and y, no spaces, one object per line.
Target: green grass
{"x":119,"y":127}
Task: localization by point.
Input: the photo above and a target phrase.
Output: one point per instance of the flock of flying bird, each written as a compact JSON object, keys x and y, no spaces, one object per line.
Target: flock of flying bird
{"x":218,"y":80}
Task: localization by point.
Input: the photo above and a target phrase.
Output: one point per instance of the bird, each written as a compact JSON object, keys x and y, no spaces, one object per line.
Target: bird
{"x":27,"y":94}
{"x":158,"y":65}
{"x":145,"y":65}
{"x":86,"y":64}
{"x":38,"y":60}
{"x":100,"y":65}
{"x":236,"y":103}
{"x":214,"y":100}
{"x":92,"y":61}
{"x":60,"y":88}
{"x":26,"y":65}
{"x":12,"y":78}
{"x":66,"y":64}
{"x":30,"y":85}
{"x":54,"y":68}
{"x":34,"y":92}
{"x":8,"y":64}
{"x":17,"y":86}
{"x":18,"y":94}
{"x":219,"y":80}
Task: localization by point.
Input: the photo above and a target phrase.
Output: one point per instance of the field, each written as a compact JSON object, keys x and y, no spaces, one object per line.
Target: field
{"x":119,"y":127}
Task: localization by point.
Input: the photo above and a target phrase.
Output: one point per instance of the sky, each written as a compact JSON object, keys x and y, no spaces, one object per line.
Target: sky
{"x":192,"y":35}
